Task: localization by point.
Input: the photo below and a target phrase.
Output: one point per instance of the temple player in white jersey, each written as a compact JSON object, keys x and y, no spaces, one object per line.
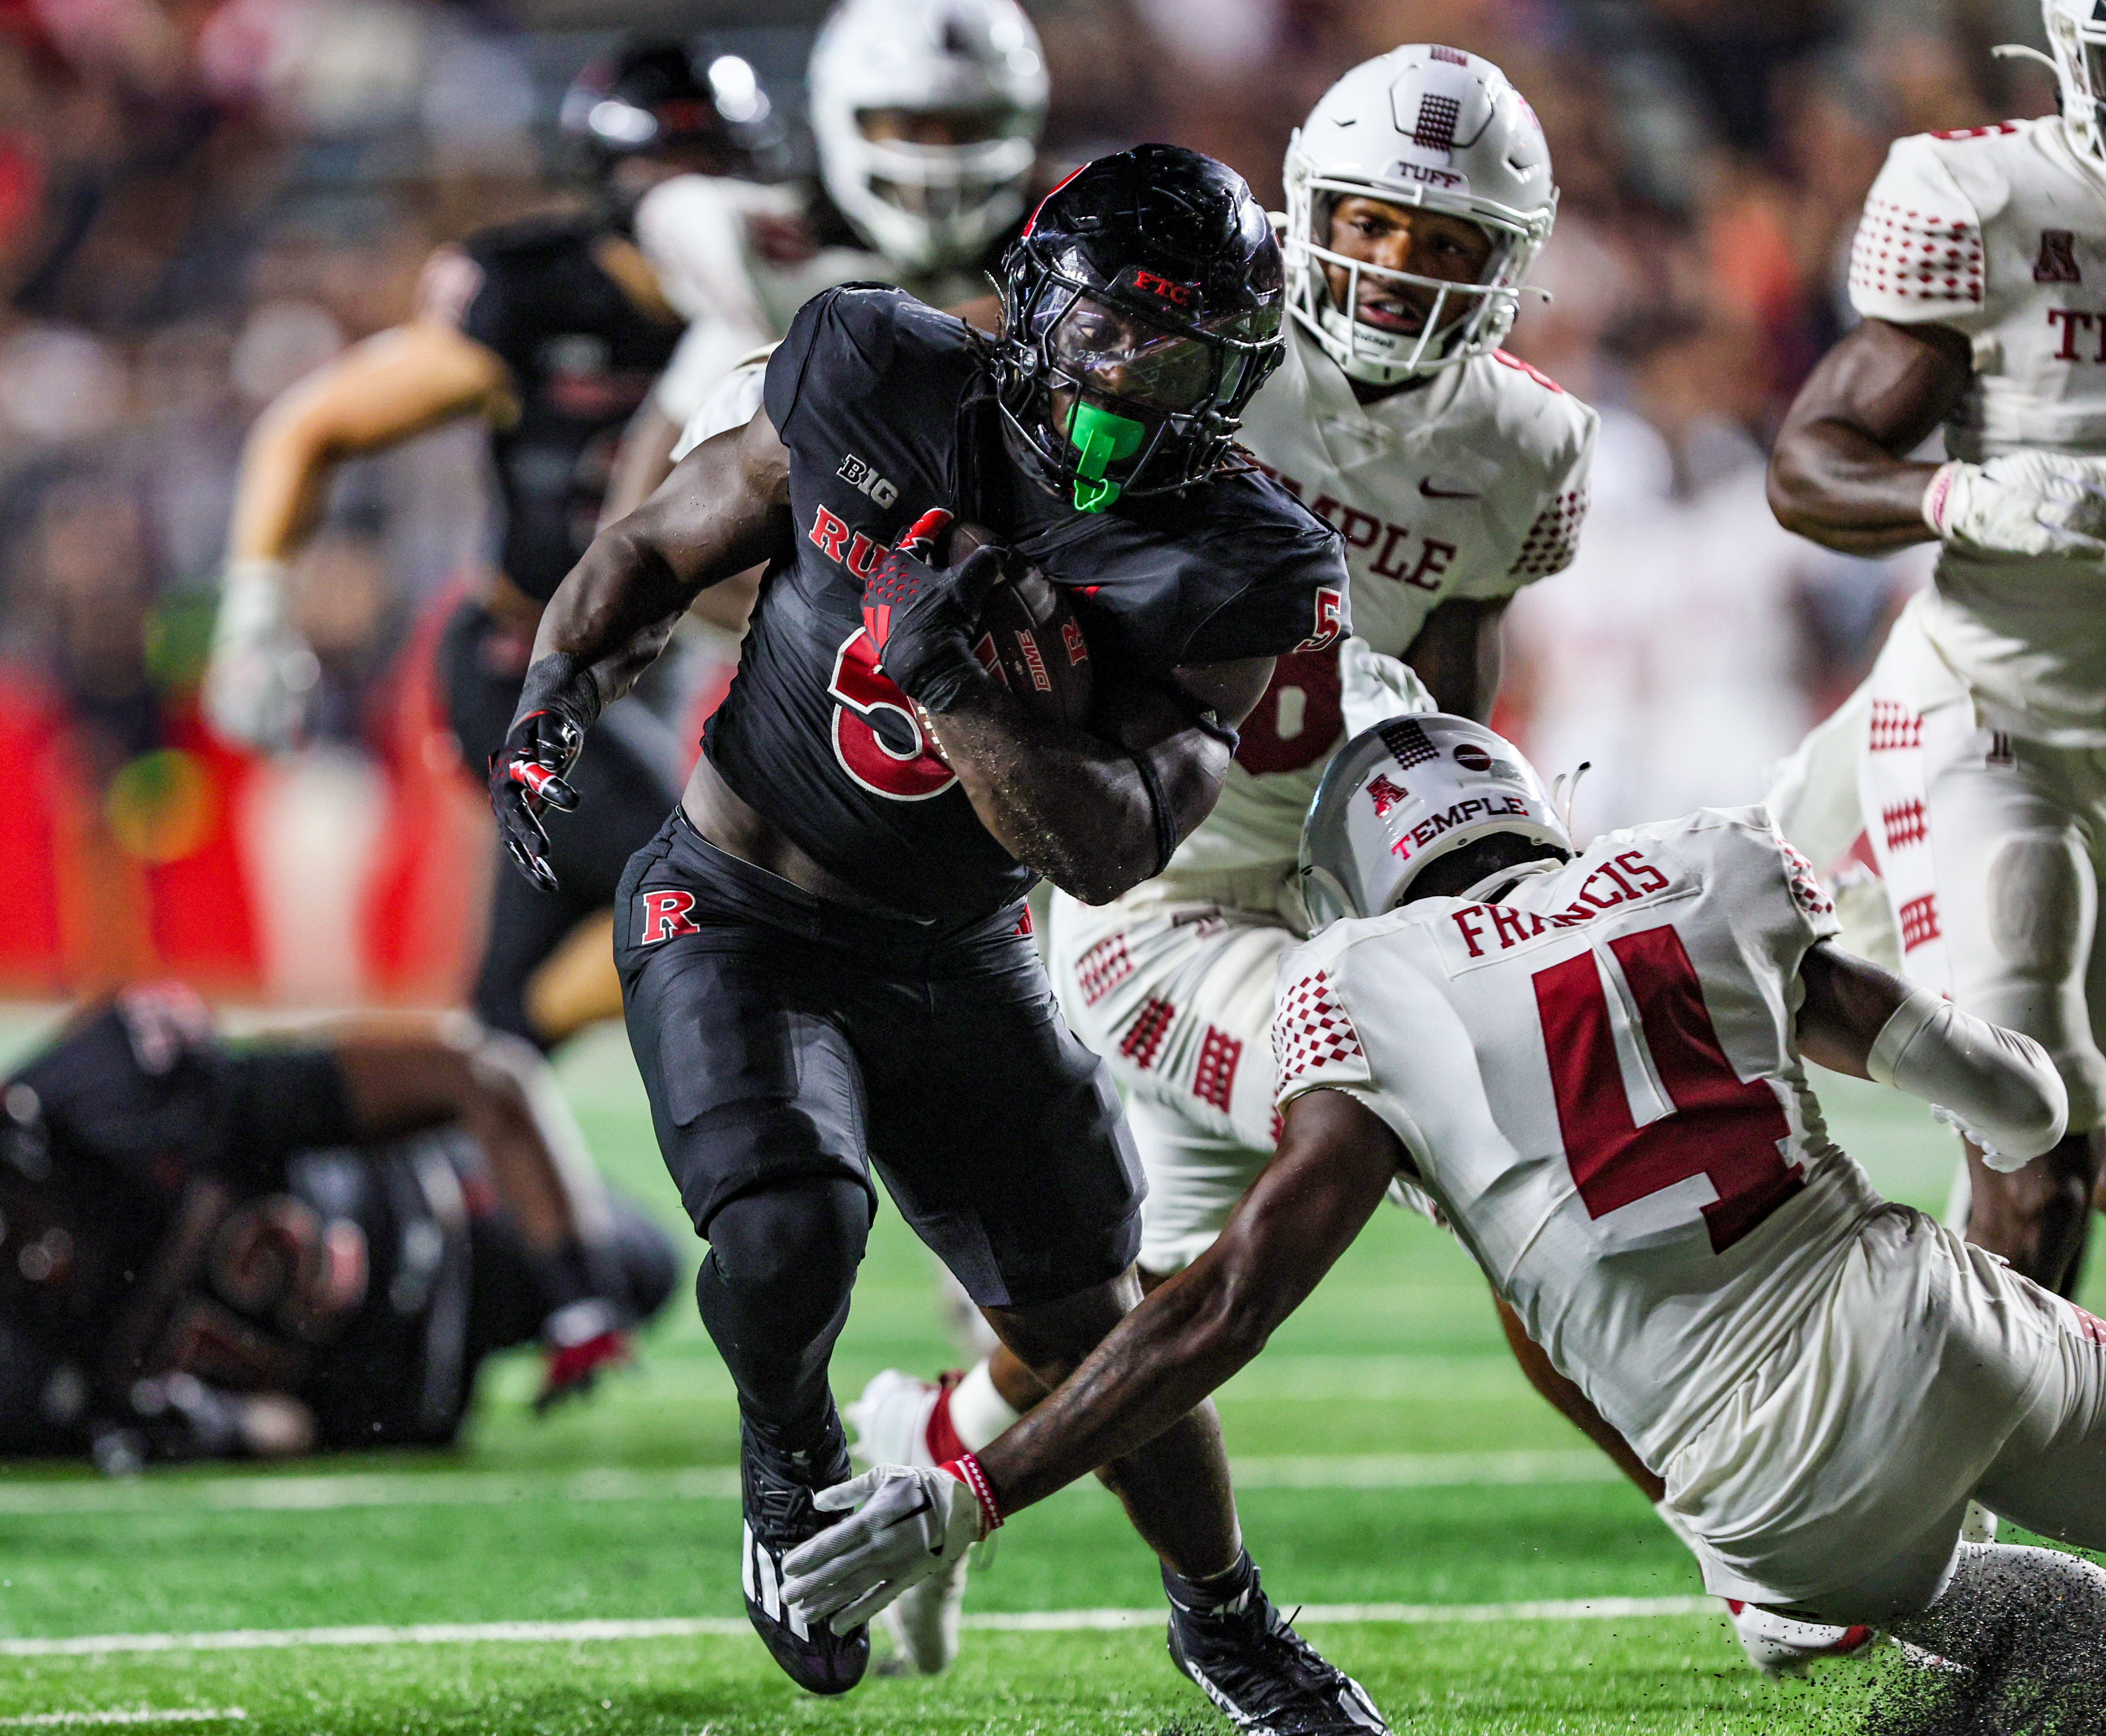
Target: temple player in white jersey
{"x":1595,"y":1064}
{"x":1972,"y":754}
{"x":1418,"y":194}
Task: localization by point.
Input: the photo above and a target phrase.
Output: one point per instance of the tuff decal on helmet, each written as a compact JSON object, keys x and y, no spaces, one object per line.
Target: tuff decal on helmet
{"x":1407,"y":793}
{"x":1426,"y":129}
{"x":927,"y":114}
{"x":1140,"y":309}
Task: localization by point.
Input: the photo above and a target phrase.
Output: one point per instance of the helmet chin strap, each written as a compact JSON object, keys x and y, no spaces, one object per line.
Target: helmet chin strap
{"x":1102,"y":438}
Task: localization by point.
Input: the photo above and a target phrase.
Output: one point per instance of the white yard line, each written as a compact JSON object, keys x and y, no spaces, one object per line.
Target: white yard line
{"x":142,"y":1715}
{"x":542,"y":1633}
{"x":493,"y":1488}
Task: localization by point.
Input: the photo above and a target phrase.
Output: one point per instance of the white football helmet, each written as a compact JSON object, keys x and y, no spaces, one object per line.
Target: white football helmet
{"x":1405,"y":794}
{"x":2076,"y":36}
{"x":1437,"y":129}
{"x":929,"y":206}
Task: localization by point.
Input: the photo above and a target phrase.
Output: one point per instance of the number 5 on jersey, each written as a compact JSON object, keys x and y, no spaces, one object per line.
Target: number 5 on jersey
{"x":1720,"y":1127}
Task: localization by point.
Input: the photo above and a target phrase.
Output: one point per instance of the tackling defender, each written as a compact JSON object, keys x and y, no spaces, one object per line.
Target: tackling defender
{"x":1593,"y":1063}
{"x":825,"y":953}
{"x":1978,"y":736}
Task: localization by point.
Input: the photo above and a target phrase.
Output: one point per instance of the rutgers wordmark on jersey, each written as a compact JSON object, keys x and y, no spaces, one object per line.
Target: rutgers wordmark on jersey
{"x":1471,"y":485}
{"x":2000,"y":233}
{"x":1596,"y":1080}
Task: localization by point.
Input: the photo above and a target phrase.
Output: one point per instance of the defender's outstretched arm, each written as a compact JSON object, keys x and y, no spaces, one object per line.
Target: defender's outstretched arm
{"x":1998,"y":1087}
{"x":1335,"y":1162}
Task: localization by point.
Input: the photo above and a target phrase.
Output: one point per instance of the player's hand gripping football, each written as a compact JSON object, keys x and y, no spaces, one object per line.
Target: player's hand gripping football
{"x":911,"y":1520}
{"x":2021,"y":503}
{"x":920,"y":617}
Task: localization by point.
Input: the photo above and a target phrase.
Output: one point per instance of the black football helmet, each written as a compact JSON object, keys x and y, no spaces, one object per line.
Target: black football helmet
{"x":656,"y":98}
{"x":1140,"y":309}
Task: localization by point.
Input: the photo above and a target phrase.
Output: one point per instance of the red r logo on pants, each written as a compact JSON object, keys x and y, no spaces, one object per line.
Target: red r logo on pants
{"x":665,"y":915}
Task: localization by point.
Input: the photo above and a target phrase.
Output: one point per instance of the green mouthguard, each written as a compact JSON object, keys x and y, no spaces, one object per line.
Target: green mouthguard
{"x":1103,"y":439}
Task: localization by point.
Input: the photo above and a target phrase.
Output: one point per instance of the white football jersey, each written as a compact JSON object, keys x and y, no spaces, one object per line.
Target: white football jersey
{"x":1471,"y":485}
{"x":1999,"y":232}
{"x":1598,"y":1081}
{"x":736,"y":259}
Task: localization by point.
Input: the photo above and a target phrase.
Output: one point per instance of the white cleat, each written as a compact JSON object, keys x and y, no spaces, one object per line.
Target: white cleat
{"x":891,"y":1419}
{"x":1779,"y":1645}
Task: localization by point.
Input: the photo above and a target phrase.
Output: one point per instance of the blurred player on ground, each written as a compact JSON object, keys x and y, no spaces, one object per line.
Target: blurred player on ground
{"x":1975,"y":746}
{"x":826,"y":954}
{"x":215,"y":1249}
{"x":553,"y":329}
{"x":1595,"y":1064}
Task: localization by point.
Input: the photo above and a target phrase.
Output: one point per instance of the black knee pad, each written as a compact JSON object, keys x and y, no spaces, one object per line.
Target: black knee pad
{"x":800,"y":1239}
{"x":649,"y":1264}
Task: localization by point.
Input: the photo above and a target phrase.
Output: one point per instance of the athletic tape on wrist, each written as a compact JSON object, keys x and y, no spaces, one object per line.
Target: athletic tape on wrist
{"x":1903,"y":1026}
{"x":966,"y":1469}
{"x":1158,"y":809}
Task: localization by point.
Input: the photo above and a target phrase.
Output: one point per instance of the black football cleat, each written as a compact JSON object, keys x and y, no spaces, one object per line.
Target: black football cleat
{"x":776,"y":1485}
{"x":1266,"y":1678}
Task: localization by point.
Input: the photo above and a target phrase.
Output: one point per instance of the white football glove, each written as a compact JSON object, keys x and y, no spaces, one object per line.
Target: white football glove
{"x":261,"y":671}
{"x":2021,"y":503}
{"x":913,"y":1519}
{"x":1373,"y":688}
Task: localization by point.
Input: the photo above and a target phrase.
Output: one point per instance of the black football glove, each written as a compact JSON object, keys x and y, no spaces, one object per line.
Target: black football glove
{"x":920,"y":617}
{"x":528,"y":773}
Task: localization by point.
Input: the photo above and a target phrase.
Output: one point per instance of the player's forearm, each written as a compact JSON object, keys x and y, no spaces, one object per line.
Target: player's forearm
{"x":1836,"y":486}
{"x":1998,"y":1084}
{"x":1079,"y":810}
{"x":1161,"y":1361}
{"x":278,"y":492}
{"x":712,"y":520}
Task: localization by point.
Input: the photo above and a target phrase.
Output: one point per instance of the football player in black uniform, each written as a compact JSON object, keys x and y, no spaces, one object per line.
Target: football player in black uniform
{"x":209,"y":1249}
{"x":553,"y":329}
{"x":824,"y":951}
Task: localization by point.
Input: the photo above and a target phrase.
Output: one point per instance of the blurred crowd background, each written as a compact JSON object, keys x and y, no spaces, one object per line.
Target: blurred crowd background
{"x":200,"y":200}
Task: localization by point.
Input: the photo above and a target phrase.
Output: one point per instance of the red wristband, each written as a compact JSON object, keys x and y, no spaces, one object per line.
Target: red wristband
{"x":966,"y":1469}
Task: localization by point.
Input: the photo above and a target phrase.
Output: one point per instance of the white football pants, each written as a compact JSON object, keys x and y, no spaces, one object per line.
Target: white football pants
{"x":1173,"y":985}
{"x":1992,"y":848}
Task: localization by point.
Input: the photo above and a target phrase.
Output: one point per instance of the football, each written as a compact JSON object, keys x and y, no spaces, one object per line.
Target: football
{"x":1028,"y":637}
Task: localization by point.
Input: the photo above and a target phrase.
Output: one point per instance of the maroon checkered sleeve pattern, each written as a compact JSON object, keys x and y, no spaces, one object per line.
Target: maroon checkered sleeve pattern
{"x":1920,"y":258}
{"x":1554,"y":539}
{"x":1311,"y":1031}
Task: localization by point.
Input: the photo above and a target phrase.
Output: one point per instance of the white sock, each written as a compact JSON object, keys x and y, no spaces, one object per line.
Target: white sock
{"x":1676,"y":1523}
{"x":978,"y":1411}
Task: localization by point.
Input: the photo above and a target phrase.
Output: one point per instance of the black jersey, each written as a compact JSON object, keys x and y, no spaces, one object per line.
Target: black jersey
{"x":583,"y":355}
{"x":885,"y":405}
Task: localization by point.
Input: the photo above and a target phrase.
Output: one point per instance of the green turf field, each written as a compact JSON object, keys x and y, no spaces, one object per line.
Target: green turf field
{"x":1389,"y":1455}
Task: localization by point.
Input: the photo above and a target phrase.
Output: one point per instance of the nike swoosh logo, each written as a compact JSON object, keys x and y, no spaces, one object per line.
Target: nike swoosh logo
{"x":1431,"y":492}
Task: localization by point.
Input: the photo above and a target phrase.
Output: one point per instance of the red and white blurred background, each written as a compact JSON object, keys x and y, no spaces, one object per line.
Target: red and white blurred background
{"x":202,"y":200}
